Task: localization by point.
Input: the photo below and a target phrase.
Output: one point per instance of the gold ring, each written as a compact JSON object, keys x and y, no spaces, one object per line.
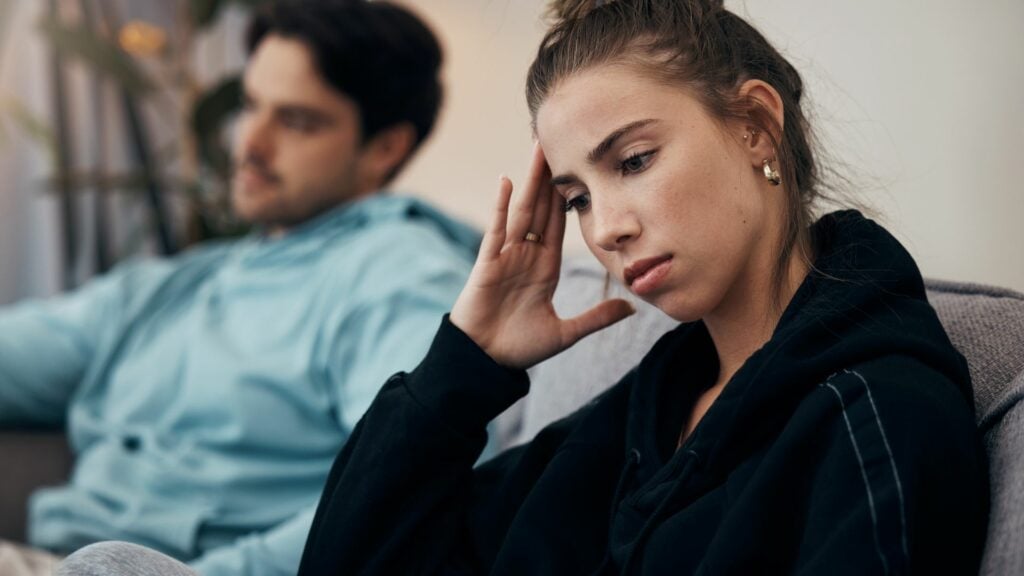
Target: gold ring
{"x":532,"y":237}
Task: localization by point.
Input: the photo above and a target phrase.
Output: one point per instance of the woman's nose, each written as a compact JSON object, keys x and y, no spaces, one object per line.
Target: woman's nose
{"x":615,"y":225}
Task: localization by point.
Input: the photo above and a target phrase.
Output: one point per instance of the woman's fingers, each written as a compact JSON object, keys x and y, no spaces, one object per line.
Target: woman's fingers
{"x":601,"y":316}
{"x":541,"y":180}
{"x":494,"y":238}
{"x":554,"y":227}
{"x":521,"y":216}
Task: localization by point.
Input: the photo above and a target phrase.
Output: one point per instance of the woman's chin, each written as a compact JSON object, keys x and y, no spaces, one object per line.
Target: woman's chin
{"x":680,"y":309}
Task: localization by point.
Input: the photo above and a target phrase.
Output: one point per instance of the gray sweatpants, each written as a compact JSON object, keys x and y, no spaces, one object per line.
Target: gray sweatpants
{"x":121,"y":559}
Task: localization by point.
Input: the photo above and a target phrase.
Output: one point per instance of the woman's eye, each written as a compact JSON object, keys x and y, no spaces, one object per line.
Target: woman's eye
{"x":578,"y":203}
{"x":636,"y":163}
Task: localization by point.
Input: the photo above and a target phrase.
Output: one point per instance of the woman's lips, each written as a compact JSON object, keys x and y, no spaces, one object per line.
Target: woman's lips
{"x":644,"y":276}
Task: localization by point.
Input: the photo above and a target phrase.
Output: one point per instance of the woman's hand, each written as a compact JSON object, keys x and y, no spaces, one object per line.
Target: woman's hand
{"x":506,"y":305}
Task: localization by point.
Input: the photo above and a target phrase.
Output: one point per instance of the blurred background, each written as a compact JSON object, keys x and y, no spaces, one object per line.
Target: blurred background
{"x":115,"y":118}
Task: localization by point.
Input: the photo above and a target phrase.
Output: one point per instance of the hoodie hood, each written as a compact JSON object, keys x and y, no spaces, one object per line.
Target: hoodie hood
{"x":863,"y":300}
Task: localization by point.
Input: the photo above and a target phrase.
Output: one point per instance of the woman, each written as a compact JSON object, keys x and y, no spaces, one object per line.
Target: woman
{"x":808,"y":416}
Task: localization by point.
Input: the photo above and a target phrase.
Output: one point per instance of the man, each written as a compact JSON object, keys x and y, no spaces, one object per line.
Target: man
{"x":206,"y":396}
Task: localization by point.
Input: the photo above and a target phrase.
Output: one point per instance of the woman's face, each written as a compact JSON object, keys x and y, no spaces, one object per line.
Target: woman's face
{"x":669,"y":200}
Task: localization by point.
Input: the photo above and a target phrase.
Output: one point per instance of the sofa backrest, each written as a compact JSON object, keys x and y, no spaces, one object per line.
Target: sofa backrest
{"x":985,"y":323}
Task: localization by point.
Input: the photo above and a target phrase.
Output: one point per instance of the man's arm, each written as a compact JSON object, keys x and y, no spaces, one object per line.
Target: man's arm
{"x":275,"y":552}
{"x":47,"y":346}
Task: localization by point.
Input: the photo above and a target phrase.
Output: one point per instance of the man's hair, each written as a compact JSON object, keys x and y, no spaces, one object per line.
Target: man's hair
{"x":379,"y":55}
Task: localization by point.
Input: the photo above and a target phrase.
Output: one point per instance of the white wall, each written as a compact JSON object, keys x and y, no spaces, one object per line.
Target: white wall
{"x":30,"y":242}
{"x":922,"y":101}
{"x":28,"y":213}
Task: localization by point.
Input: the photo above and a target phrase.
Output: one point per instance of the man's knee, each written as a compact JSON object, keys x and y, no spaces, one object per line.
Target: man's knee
{"x":121,"y":559}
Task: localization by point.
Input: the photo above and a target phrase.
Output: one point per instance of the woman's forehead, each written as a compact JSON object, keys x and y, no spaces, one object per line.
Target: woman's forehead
{"x":584,"y":108}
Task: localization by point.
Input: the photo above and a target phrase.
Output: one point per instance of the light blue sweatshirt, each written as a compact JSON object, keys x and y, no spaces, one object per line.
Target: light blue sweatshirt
{"x":206,"y":396}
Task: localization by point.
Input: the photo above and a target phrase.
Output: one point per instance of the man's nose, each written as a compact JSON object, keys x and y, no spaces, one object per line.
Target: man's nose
{"x":255,"y":137}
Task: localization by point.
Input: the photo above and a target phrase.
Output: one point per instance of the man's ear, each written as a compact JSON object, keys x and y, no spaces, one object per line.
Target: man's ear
{"x":386,"y":151}
{"x":765,"y":106}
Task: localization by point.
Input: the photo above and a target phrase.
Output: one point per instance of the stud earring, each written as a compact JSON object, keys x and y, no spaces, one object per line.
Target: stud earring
{"x":771,"y":175}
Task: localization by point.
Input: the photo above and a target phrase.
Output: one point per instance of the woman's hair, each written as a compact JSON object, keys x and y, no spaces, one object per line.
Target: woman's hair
{"x":709,"y":50}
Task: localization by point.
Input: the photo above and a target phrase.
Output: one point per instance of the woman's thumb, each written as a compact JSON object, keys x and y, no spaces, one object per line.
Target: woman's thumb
{"x":597,"y":318}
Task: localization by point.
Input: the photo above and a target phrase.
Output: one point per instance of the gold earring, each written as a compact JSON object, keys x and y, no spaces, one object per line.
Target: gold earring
{"x":771,"y":175}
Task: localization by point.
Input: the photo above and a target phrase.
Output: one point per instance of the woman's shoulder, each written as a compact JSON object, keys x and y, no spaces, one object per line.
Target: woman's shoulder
{"x":907,"y":409}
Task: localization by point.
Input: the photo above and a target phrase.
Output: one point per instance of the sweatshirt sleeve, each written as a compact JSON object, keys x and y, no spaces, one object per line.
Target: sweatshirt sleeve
{"x":897,"y":489}
{"x":401,"y":494}
{"x":46,"y":347}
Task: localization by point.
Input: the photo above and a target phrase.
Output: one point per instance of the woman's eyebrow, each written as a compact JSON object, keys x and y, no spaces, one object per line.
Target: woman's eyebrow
{"x":563,"y":180}
{"x":601,"y":149}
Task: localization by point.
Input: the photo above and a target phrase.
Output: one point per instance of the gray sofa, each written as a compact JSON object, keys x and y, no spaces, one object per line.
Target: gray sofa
{"x":29,"y":459}
{"x":986,"y":324}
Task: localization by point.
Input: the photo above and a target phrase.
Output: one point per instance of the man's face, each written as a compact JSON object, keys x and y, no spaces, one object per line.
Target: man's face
{"x":299,"y":150}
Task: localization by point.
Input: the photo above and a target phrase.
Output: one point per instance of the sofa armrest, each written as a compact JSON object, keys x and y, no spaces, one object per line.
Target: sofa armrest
{"x":29,"y":459}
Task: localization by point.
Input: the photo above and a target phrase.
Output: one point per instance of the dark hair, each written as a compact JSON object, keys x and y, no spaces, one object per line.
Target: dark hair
{"x":699,"y":44}
{"x":380,"y":55}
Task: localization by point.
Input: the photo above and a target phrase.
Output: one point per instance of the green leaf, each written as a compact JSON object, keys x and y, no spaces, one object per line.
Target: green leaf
{"x":102,"y":54}
{"x":34,"y":127}
{"x":204,"y":12}
{"x":211,"y":110}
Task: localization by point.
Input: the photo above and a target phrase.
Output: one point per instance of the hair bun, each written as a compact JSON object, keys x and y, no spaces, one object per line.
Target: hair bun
{"x":566,"y":10}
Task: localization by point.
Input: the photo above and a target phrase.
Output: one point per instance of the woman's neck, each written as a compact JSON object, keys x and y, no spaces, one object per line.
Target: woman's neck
{"x":747,"y":317}
{"x":739,"y":330}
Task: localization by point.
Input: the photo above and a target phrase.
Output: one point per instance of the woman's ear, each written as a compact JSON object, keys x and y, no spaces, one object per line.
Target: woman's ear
{"x":766,"y":107}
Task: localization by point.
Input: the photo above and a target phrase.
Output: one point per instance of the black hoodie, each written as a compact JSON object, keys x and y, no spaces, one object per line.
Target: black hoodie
{"x":845,"y":445}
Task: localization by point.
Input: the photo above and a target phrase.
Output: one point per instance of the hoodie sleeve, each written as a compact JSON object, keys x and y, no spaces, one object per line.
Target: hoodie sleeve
{"x":896,"y":490}
{"x":402,"y":495}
